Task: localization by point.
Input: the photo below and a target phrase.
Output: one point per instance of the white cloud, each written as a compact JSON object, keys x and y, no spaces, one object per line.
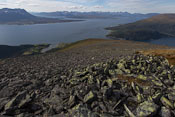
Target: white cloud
{"x":143,"y":6}
{"x":76,"y":7}
{"x":3,"y":4}
{"x":80,"y":1}
{"x":42,"y":5}
{"x":34,"y":5}
{"x":98,"y":7}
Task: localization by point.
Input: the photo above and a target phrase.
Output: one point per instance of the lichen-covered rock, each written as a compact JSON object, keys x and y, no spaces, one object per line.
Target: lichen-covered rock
{"x":146,"y":109}
{"x":166,"y":102}
{"x":81,"y":111}
{"x":133,"y":86}
{"x":165,"y":112}
{"x":109,"y":82}
{"x":72,"y":101}
{"x":89,"y":97}
{"x":3,"y":102}
{"x":171,"y":95}
{"x":118,"y":71}
{"x":18,"y":102}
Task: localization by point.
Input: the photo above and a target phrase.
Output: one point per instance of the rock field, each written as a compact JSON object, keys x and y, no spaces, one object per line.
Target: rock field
{"x":104,"y":79}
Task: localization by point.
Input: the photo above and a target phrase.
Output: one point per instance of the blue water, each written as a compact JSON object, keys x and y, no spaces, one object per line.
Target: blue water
{"x":164,"y":41}
{"x":59,"y":32}
{"x":64,"y":32}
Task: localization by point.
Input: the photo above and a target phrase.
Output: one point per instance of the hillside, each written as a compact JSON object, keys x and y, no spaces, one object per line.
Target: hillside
{"x":21,"y":16}
{"x":92,"y":77}
{"x":152,"y":28}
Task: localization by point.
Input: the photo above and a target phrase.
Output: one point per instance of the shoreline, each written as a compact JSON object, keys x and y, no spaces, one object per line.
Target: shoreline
{"x":21,"y":50}
{"x":47,"y":48}
{"x":32,"y":23}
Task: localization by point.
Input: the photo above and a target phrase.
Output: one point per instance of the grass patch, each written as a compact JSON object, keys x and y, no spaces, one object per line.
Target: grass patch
{"x":83,"y":43}
{"x":68,"y":46}
{"x":36,"y":49}
{"x":14,"y":51}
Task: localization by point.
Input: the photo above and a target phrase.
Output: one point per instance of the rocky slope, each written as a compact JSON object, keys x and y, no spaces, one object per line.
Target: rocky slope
{"x":89,"y":78}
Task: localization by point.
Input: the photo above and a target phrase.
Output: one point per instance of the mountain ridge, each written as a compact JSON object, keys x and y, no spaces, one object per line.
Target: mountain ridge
{"x":93,"y":14}
{"x":21,"y":16}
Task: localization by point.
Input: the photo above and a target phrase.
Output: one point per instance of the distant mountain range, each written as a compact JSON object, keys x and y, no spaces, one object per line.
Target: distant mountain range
{"x":91,"y":15}
{"x":21,"y":16}
{"x":156,"y":27}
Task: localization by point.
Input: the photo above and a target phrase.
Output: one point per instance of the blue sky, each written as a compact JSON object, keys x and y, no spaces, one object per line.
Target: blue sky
{"x":133,"y":6}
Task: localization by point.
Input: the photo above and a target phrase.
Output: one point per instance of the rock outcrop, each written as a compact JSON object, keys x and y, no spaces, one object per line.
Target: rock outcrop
{"x":137,"y":85}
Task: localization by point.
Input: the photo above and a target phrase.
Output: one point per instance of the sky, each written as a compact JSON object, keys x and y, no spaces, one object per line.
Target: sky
{"x":132,"y":6}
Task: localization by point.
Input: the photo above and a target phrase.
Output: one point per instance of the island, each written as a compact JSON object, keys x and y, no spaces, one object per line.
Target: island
{"x":156,"y":27}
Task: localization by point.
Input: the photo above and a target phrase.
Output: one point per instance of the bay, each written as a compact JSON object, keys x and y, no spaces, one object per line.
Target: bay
{"x":59,"y":32}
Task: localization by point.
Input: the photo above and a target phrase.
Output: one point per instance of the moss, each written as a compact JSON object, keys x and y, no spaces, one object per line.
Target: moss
{"x":36,"y":49}
{"x":141,"y":77}
{"x":139,"y":98}
{"x":90,"y":79}
{"x":120,"y":65}
{"x":109,"y":82}
{"x":82,"y":43}
{"x":118,"y":71}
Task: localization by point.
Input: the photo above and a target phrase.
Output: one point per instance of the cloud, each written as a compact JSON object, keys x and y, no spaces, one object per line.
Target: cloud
{"x":76,"y":7}
{"x":34,"y":5}
{"x":3,"y":4}
{"x":98,"y":7}
{"x":80,"y":1}
{"x":143,"y":6}
{"x":43,"y":5}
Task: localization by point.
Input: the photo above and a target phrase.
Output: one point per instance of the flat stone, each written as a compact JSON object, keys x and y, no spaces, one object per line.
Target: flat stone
{"x":166,"y":102}
{"x":15,"y":101}
{"x":89,"y":97}
{"x":165,"y":112}
{"x":146,"y":109}
{"x":14,"y":105}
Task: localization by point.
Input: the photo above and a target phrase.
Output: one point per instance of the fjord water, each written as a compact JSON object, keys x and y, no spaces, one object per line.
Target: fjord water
{"x":65,"y":32}
{"x":164,"y":41}
{"x":59,"y":32}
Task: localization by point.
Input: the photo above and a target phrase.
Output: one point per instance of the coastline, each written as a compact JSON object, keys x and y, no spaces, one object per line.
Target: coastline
{"x":37,"y":23}
{"x":21,"y":50}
